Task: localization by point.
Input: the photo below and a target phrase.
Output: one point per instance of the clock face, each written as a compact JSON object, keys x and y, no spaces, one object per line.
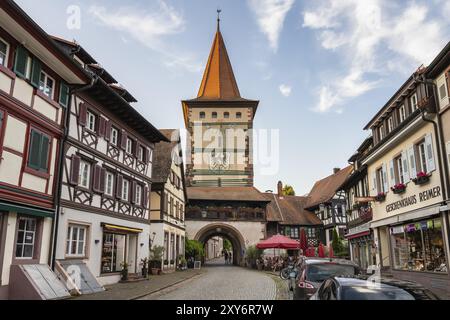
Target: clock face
{"x":219,"y":161}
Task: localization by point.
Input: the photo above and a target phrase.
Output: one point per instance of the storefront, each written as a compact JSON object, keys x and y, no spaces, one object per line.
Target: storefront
{"x":362,"y":249}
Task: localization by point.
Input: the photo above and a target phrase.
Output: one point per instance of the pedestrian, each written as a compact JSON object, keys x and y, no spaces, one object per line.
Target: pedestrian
{"x":226,"y":256}
{"x":230,"y":258}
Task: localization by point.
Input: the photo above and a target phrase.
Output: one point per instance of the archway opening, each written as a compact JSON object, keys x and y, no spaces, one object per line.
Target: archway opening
{"x":219,"y":251}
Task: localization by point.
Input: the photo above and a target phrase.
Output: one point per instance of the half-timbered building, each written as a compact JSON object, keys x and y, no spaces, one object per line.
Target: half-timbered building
{"x":107,"y":175}
{"x":168,"y":199}
{"x":34,"y":79}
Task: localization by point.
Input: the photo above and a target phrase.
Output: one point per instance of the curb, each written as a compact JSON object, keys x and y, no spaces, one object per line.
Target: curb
{"x":164,"y":288}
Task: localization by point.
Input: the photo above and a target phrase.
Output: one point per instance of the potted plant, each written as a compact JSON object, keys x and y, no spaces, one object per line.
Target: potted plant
{"x":124,"y":272}
{"x":399,"y":188}
{"x":156,"y":256}
{"x":144,"y":264}
{"x":380,"y":197}
{"x":182,"y":263}
{"x":421,"y":178}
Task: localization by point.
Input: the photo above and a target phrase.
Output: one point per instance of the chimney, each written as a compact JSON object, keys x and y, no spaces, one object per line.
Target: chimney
{"x":280,"y":188}
{"x":336,"y":170}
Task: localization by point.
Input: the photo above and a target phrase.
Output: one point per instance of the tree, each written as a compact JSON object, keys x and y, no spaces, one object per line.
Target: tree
{"x":338,"y":245}
{"x":194,"y":249}
{"x":227,"y":245}
{"x":288,"y":190}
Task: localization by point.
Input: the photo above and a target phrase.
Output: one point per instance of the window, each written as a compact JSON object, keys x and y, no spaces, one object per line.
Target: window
{"x":109,"y":183}
{"x":141,"y":153}
{"x":85,"y":174}
{"x":129,"y":146}
{"x":442,"y":91}
{"x":238,"y":115}
{"x":214,"y":115}
{"x":76,"y":241}
{"x":419,"y":246}
{"x":166,"y":246}
{"x":39,"y":151}
{"x":398,"y":165}
{"x":125,"y":190}
{"x":114,"y":136}
{"x":421,"y":151}
{"x":46,"y":84}
{"x":202,"y":115}
{"x":413,"y":101}
{"x":402,"y":113}
{"x":91,"y":119}
{"x":172,"y":203}
{"x":390,"y":124}
{"x":26,"y":237}
{"x":4,"y":51}
{"x":172,"y":247}
{"x":138,"y":198}
{"x":381,"y":180}
{"x":381,"y":132}
{"x":226,"y":115}
{"x":113,"y":252}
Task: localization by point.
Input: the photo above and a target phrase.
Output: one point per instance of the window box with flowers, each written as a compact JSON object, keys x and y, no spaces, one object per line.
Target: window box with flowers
{"x":399,"y":188}
{"x":421,"y":178}
{"x":380,"y":197}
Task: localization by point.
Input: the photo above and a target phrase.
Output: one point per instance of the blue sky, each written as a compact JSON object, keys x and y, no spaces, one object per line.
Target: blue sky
{"x":321,"y":69}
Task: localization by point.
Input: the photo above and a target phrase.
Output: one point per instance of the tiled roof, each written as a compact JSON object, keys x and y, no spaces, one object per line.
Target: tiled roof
{"x":290,"y":210}
{"x":163,"y":155}
{"x":226,"y":194}
{"x":325,"y":189}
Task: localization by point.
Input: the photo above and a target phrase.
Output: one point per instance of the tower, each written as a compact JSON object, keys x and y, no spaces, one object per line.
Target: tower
{"x":220,"y":123}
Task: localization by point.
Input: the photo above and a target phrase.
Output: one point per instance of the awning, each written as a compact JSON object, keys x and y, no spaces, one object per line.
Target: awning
{"x":357,"y":235}
{"x":112,"y":227}
{"x":404,"y":217}
{"x":26,"y":210}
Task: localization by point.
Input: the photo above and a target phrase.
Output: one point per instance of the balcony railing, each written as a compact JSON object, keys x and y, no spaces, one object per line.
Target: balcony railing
{"x":365,"y":214}
{"x":225,"y":213}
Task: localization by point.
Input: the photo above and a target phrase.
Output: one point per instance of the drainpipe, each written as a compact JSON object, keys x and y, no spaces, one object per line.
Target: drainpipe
{"x":61,"y":169}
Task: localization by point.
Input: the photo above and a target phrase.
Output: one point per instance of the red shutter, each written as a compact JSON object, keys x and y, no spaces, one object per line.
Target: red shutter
{"x":145,"y":197}
{"x":108,"y":128}
{"x":133,"y":191}
{"x":102,"y":180}
{"x":119,"y":186}
{"x":75,"y":170}
{"x":96,"y":183}
{"x":101,"y":127}
{"x":83,"y":114}
{"x":123,"y":140}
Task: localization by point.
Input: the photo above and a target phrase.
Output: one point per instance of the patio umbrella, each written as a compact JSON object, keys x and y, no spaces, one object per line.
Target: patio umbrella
{"x":303,"y":241}
{"x":278,"y":242}
{"x":310,"y":252}
{"x":330,"y":251}
{"x":321,"y":251}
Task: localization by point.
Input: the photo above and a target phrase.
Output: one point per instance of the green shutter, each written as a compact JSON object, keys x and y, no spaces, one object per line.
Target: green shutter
{"x":36,"y":73}
{"x":63,"y":94}
{"x":34,"y":151}
{"x":45,"y":146}
{"x":20,"y":63}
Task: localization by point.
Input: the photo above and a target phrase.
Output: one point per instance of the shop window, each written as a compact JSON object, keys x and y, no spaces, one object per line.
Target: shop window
{"x":39,"y":151}
{"x":4,"y":51}
{"x":113,"y":252}
{"x":26,"y":238}
{"x":76,"y":241}
{"x":47,"y":85}
{"x":85,"y":174}
{"x":419,"y":246}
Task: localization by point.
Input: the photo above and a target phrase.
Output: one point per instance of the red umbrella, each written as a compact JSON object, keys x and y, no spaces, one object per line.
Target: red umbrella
{"x":330,"y":252}
{"x":321,"y":251}
{"x":278,"y":242}
{"x":303,"y":240}
{"x":310,"y":252}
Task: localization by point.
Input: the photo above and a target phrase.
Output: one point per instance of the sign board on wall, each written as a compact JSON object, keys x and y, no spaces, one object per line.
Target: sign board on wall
{"x":414,"y":199}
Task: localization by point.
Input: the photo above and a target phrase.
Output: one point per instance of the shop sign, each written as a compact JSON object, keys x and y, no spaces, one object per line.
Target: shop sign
{"x":414,"y":199}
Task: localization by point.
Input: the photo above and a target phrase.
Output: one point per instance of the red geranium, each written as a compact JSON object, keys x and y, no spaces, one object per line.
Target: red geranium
{"x":421,"y":174}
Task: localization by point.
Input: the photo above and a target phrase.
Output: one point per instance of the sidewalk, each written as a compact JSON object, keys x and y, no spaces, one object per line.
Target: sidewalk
{"x":136,"y":290}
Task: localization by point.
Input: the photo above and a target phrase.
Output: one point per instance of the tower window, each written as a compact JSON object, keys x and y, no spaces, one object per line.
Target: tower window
{"x":239,"y":115}
{"x":226,"y":115}
{"x":202,"y":115}
{"x":214,"y":115}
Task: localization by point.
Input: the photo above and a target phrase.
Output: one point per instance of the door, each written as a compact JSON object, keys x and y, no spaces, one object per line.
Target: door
{"x":132,"y":253}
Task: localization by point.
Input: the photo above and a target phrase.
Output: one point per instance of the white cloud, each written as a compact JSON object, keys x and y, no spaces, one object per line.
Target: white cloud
{"x":149,"y":28}
{"x":372,"y":36}
{"x":271,"y":15}
{"x":285,"y":90}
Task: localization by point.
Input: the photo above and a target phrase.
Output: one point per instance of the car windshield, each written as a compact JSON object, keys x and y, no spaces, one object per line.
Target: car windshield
{"x":323,"y":271}
{"x":369,"y":293}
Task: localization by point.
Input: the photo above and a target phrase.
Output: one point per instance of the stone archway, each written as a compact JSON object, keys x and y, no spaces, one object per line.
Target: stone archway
{"x":228,"y":232}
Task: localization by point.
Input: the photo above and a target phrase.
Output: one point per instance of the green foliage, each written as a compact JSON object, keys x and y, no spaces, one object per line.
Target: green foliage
{"x":253,"y":254}
{"x":339,"y":248}
{"x":194,"y":249}
{"x":227,"y":245}
{"x":156,"y":253}
{"x":288,"y":190}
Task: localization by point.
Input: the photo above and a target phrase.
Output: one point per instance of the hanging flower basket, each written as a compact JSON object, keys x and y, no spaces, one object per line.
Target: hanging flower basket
{"x":380,"y":197}
{"x":399,"y":188}
{"x":422,"y":178}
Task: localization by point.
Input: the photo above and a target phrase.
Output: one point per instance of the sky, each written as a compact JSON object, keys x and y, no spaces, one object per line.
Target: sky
{"x":321,"y":69}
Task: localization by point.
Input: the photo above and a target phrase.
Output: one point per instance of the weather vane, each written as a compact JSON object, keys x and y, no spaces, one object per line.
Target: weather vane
{"x":218,"y":18}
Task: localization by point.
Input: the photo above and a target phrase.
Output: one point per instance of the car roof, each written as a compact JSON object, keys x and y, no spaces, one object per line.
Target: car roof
{"x":315,"y":260}
{"x":356,"y":282}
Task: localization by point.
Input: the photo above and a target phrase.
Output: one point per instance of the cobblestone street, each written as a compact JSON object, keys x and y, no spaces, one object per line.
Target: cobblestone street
{"x":222,"y":282}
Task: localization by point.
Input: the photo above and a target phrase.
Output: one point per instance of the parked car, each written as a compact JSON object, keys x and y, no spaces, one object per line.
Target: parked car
{"x":313,"y":271}
{"x":345,"y":288}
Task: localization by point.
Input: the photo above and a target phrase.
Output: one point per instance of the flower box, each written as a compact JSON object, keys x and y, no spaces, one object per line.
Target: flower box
{"x":380,"y":197}
{"x":399,"y":188}
{"x":421,"y":178}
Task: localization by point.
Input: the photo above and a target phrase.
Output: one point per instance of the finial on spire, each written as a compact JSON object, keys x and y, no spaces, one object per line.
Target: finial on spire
{"x":218,"y":19}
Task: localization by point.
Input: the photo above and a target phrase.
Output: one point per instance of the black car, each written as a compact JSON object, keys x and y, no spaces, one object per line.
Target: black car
{"x":343,"y":288}
{"x":313,"y":271}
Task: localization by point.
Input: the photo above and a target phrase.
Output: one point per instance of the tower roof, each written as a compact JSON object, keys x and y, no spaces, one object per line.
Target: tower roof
{"x":218,"y":81}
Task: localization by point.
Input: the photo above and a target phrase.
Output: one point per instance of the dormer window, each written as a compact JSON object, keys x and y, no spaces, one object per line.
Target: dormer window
{"x":390,"y":124}
{"x":46,"y":84}
{"x":91,"y":119}
{"x":381,"y":132}
{"x":402,"y":113}
{"x":413,"y":101}
{"x":4,"y":50}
